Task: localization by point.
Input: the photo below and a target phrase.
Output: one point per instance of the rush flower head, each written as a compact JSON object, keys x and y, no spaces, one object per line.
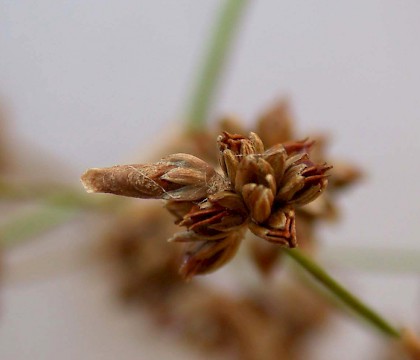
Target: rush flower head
{"x":257,"y":190}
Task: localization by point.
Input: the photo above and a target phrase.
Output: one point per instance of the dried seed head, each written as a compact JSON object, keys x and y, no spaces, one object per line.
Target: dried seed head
{"x":180,"y":177}
{"x":258,"y":189}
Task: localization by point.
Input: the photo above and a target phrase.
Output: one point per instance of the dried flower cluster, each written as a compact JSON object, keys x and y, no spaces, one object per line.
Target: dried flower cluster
{"x":271,"y":322}
{"x":259,"y":190}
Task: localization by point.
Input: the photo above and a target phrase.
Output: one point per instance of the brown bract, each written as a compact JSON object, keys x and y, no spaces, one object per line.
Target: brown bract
{"x":259,"y":189}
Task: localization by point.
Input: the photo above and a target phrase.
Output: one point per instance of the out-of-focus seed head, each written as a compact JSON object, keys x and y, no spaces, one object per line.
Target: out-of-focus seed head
{"x":275,"y":126}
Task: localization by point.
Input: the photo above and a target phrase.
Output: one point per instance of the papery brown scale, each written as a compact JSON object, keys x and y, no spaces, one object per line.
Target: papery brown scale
{"x":303,"y":180}
{"x":284,"y":232}
{"x":231,"y":222}
{"x":209,"y":219}
{"x":185,"y":236}
{"x":202,"y":180}
{"x":276,"y":156}
{"x":256,"y":142}
{"x":229,"y":200}
{"x":254,"y":169}
{"x":315,"y":181}
{"x":192,"y":236}
{"x":297,"y":159}
{"x":315,"y":170}
{"x":278,"y":220}
{"x":259,"y":201}
{"x":229,"y":164}
{"x":198,"y":219}
{"x":179,"y":209}
{"x":307,"y":194}
{"x":292,"y":147}
{"x":292,"y":183}
{"x":240,"y":145}
{"x":208,"y":256}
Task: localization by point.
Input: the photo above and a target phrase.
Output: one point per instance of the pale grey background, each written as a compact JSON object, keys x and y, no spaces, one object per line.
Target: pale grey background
{"x":97,"y":82}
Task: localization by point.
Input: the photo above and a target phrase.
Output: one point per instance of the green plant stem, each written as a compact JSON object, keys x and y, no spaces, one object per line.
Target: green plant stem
{"x":213,"y":64}
{"x":342,"y":293}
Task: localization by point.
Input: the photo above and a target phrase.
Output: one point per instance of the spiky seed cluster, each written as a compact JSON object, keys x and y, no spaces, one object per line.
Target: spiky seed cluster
{"x":259,"y":190}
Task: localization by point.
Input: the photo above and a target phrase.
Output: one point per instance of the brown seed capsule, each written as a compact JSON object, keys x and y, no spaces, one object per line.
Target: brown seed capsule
{"x":207,"y":256}
{"x":259,"y":200}
{"x":233,"y":148}
{"x":280,"y":228}
{"x":256,"y":170}
{"x":303,"y":181}
{"x":276,"y":156}
{"x":212,"y":219}
{"x":179,"y":177}
{"x":239,"y":144}
{"x":255,"y":181}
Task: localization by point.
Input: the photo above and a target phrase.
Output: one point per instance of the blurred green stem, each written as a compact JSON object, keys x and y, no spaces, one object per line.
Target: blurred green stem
{"x":55,"y":194}
{"x":58,"y":204}
{"x":213,"y":64}
{"x":33,"y":223}
{"x":342,"y":293}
